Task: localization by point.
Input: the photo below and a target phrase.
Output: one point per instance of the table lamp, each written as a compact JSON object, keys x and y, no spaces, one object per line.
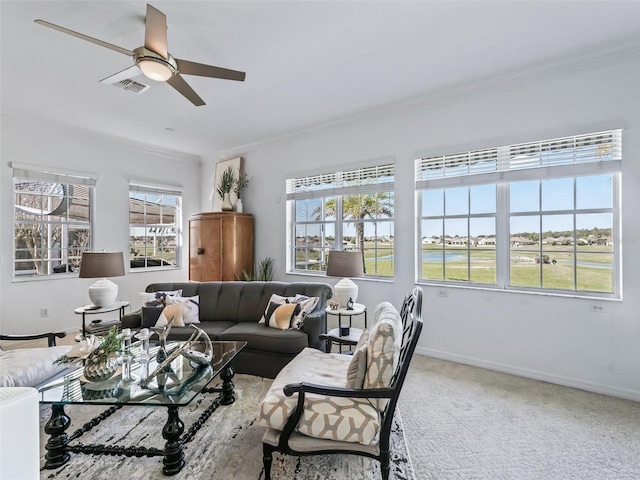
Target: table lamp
{"x":345,"y":264}
{"x":101,"y":265}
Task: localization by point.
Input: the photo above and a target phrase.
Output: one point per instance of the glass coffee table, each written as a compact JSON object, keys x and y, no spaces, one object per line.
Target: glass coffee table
{"x":176,"y":387}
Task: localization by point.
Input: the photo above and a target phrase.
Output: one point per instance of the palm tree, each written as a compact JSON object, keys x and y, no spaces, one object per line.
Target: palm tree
{"x":357,"y":208}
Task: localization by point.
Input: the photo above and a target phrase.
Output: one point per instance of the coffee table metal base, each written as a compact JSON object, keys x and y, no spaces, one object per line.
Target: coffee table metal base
{"x":59,"y":447}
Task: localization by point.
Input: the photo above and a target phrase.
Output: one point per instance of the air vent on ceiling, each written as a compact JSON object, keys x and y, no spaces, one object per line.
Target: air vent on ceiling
{"x":132,"y":86}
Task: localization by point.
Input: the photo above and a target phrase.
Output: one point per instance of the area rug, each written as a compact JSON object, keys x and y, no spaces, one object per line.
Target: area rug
{"x":229,"y":445}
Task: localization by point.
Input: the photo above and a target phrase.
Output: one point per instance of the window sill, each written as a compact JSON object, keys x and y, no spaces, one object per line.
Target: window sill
{"x":576,"y":295}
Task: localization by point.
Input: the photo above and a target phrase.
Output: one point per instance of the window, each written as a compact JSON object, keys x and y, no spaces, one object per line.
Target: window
{"x":155,"y":216}
{"x":537,"y":216}
{"x":345,"y":210}
{"x":52,"y":221}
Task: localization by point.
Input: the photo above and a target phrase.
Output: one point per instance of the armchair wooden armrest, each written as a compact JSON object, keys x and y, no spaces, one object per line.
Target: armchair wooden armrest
{"x":50,"y":336}
{"x":303,"y":388}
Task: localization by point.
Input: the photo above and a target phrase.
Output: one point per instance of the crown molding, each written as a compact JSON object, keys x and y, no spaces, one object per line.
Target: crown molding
{"x":513,"y":79}
{"x":131,"y":144}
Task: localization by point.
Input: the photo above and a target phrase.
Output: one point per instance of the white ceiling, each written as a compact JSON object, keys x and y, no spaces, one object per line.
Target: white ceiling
{"x":307,"y":63}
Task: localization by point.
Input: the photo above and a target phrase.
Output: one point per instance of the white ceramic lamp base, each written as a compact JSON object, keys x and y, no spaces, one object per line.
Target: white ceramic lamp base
{"x":103,"y":293}
{"x":344,"y":290}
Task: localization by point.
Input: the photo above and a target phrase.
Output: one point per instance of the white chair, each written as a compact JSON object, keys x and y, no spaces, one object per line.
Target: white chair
{"x":31,"y":367}
{"x":19,"y":434}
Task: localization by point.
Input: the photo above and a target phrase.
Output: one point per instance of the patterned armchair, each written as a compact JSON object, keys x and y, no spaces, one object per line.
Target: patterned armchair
{"x":345,"y":405}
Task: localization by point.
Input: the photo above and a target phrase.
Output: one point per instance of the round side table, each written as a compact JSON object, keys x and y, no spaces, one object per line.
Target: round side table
{"x":345,"y":334}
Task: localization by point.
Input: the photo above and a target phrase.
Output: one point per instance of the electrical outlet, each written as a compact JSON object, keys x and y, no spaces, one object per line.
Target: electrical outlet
{"x":44,"y":312}
{"x":597,"y":308}
{"x":443,"y":293}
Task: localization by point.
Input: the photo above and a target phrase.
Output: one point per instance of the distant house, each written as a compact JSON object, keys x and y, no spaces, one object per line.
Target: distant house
{"x":604,"y":241}
{"x":462,"y":241}
{"x":487,"y":241}
{"x":430,"y":240}
{"x":519,"y":241}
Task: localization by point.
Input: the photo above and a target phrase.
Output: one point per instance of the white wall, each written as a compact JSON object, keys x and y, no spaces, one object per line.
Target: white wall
{"x":540,"y":336}
{"x":115,"y":162}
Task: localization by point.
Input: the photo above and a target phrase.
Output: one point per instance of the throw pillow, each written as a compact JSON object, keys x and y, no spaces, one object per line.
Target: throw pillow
{"x":383,"y":349}
{"x":275,"y":299}
{"x":358,"y":366}
{"x":190,"y":308}
{"x":307,"y":305}
{"x":150,"y":299}
{"x":150,"y":316}
{"x":281,"y":315}
{"x":171,"y":314}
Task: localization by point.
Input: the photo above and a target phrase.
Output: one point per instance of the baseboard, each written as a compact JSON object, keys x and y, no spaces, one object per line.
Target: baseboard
{"x":612,"y":391}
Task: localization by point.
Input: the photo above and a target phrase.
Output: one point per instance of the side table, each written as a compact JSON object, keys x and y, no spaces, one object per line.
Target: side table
{"x":93,"y":310}
{"x":344,"y":334}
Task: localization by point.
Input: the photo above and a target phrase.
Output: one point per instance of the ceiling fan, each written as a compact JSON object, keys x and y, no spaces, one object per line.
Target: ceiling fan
{"x":154,"y":60}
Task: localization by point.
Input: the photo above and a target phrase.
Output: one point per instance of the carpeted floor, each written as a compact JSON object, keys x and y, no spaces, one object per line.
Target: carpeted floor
{"x":467,"y":423}
{"x":228,"y":446}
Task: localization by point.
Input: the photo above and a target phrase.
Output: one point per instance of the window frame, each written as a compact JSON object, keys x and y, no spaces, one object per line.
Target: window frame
{"x":67,"y":180}
{"x":335,"y":187}
{"x":504,"y":166}
{"x":139,"y":188}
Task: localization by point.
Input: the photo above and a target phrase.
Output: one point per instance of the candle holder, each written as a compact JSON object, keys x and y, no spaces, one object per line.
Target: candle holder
{"x":126,"y":355}
{"x":144,"y":335}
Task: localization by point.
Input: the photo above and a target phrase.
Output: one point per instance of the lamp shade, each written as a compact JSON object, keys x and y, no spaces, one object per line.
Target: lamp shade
{"x":345,"y":264}
{"x":101,"y":265}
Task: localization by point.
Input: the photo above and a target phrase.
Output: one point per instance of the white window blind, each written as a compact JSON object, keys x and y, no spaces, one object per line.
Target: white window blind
{"x":581,"y":154}
{"x":45,"y":174}
{"x":141,"y":188}
{"x":347,"y":182}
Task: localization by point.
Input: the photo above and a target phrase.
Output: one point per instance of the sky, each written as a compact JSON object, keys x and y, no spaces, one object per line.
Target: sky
{"x":548,"y":196}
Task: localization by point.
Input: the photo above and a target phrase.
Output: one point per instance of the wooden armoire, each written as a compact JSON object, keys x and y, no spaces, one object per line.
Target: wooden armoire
{"x":220,"y":246}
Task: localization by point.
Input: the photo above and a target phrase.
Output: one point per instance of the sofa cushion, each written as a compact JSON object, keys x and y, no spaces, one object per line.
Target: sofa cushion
{"x":334,"y":418}
{"x":213,"y":329}
{"x":260,"y":338}
{"x":27,"y":367}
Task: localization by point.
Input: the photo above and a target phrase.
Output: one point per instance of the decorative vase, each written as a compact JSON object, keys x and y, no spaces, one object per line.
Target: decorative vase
{"x":239,"y":206}
{"x":100,"y":371}
{"x":226,"y":202}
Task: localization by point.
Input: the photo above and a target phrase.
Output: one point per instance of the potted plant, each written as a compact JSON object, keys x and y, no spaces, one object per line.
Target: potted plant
{"x":263,"y":271}
{"x":241,"y":183}
{"x":99,"y":353}
{"x":224,"y":187}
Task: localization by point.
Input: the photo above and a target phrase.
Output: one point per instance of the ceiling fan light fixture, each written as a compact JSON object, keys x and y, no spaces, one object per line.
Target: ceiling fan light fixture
{"x":155,"y":69}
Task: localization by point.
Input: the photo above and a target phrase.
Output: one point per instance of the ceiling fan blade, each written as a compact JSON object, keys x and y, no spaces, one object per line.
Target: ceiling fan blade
{"x":84,"y":37}
{"x":130,"y":72}
{"x":192,"y":68}
{"x":183,"y":87}
{"x":155,"y":31}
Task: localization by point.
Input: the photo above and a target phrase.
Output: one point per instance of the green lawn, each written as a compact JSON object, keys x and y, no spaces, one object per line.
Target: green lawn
{"x":594,"y":271}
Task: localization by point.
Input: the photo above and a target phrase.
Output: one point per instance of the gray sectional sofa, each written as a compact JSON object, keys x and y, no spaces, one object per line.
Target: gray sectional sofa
{"x":231,"y":311}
